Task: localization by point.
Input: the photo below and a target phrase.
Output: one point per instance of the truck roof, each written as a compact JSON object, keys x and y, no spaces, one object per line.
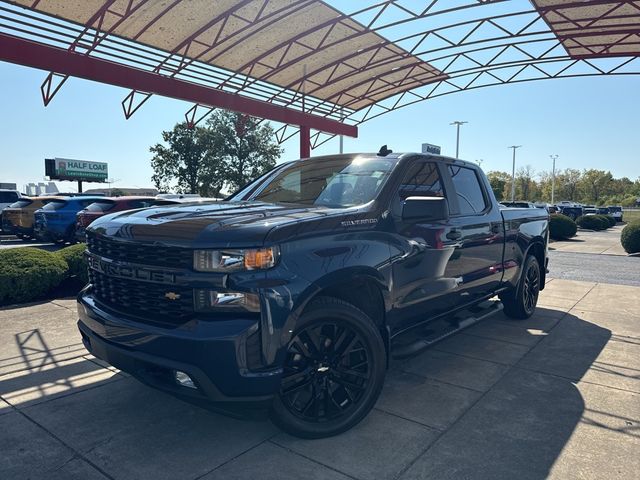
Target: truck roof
{"x":391,"y":156}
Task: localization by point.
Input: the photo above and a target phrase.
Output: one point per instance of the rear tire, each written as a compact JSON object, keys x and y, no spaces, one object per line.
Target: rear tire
{"x":333,"y":373}
{"x":520,"y":303}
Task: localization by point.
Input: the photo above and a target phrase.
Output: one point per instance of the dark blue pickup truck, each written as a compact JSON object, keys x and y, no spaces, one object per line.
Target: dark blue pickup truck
{"x":295,"y":292}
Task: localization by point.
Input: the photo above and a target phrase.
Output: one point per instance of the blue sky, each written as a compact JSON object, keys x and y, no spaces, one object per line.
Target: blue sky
{"x":588,"y":122}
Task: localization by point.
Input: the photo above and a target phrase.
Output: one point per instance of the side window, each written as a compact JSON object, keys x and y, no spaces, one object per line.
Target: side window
{"x":471,"y":199}
{"x":423,"y":180}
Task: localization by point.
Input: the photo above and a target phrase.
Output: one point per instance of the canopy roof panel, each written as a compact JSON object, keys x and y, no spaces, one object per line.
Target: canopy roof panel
{"x":276,"y":41}
{"x":596,"y":28}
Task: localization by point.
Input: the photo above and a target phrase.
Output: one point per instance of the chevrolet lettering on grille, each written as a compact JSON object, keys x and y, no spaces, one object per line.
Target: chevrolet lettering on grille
{"x":113,"y":269}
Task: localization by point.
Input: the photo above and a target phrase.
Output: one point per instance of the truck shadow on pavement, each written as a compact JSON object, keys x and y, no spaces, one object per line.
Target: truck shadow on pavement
{"x":474,"y":406}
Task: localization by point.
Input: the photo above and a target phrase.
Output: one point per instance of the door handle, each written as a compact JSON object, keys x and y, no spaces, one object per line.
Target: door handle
{"x":454,"y":234}
{"x":496,"y":228}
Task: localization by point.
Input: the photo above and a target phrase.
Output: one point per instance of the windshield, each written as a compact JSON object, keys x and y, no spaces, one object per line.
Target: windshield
{"x":54,"y":205}
{"x":333,"y":182}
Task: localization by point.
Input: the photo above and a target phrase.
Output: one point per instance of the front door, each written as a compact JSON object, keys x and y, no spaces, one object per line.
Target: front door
{"x":421,"y":253}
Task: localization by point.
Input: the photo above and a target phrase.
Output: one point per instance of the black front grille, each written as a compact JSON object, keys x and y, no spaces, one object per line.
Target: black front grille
{"x":150,"y":301}
{"x":132,"y":252}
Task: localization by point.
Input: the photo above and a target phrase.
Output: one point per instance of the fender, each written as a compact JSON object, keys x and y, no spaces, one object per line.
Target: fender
{"x":534,"y":241}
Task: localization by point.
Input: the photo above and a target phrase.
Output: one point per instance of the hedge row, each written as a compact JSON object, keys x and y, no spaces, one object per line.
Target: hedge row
{"x":561,"y":227}
{"x":29,"y":273}
{"x":595,"y":222}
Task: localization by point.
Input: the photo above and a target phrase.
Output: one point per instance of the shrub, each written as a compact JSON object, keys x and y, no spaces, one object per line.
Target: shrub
{"x":630,"y":237}
{"x":593,"y":222}
{"x":28,"y":273}
{"x":611,"y":219}
{"x":604,"y":222}
{"x":561,"y":227}
{"x":76,"y":261}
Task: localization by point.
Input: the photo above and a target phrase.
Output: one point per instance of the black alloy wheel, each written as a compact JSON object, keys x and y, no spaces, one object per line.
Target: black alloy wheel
{"x":326,"y":372}
{"x":333,"y":371}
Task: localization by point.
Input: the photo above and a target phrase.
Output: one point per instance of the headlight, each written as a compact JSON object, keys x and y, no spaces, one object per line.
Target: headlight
{"x":235,"y":260}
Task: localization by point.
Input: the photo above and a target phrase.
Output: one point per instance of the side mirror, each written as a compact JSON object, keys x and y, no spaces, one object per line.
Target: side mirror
{"x":425,"y":208}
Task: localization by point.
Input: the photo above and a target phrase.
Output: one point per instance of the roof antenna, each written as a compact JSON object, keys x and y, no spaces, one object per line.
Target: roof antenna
{"x":384,"y":151}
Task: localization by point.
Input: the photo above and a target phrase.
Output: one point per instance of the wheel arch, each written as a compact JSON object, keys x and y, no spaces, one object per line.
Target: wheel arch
{"x":363,"y":287}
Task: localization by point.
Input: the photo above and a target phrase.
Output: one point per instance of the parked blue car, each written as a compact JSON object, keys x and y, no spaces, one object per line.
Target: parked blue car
{"x":56,"y":221}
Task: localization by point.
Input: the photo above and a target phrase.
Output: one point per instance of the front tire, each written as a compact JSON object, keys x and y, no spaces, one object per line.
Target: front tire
{"x":520,"y":303}
{"x":333,"y":373}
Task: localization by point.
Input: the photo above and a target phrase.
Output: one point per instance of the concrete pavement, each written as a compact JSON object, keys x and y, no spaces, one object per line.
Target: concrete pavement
{"x":606,"y":242}
{"x":555,"y":396}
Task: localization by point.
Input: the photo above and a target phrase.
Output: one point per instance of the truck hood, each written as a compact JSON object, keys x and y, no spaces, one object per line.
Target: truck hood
{"x":224,"y":224}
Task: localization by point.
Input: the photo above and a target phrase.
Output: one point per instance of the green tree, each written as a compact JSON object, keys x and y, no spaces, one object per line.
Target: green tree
{"x":525,"y":184}
{"x":499,"y":182}
{"x":567,"y":183}
{"x":244,"y":146}
{"x":229,"y":151}
{"x":185,"y":162}
{"x":595,"y":185}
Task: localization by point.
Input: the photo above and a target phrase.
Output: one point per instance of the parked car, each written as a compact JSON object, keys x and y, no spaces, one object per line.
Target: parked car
{"x":7,"y":197}
{"x":616,"y":212}
{"x":571,"y":211}
{"x":111,"y":205}
{"x":590,"y":210}
{"x":18,"y":218}
{"x":294,"y":292}
{"x":56,"y":221}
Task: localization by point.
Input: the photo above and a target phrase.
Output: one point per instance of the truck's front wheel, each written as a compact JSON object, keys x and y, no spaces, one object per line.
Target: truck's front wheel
{"x":333,"y":373}
{"x":520,"y":303}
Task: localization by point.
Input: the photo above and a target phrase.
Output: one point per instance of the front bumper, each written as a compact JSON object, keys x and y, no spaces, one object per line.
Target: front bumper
{"x":212,"y":352}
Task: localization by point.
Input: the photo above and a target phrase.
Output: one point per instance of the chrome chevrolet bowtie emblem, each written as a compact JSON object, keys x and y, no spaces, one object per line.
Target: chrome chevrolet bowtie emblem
{"x":172,"y":296}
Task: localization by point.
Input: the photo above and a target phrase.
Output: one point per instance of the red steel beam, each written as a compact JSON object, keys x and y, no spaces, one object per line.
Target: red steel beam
{"x":305,"y":142}
{"x":46,"y":57}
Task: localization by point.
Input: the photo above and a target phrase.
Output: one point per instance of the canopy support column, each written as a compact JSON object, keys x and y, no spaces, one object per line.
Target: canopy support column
{"x":305,"y":141}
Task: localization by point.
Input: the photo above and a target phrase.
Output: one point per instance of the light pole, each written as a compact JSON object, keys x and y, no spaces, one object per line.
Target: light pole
{"x":111,"y":181}
{"x":513,"y":173}
{"x":457,"y":123}
{"x":553,"y":178}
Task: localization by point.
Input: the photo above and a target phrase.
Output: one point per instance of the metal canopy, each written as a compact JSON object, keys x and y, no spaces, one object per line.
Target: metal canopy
{"x":334,"y":69}
{"x":594,"y":29}
{"x":289,"y":43}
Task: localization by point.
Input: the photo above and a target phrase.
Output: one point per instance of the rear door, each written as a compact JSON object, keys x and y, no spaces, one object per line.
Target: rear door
{"x":477,"y":228}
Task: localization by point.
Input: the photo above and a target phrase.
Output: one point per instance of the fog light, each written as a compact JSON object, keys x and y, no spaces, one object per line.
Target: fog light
{"x":183,"y":379}
{"x":212,"y":300}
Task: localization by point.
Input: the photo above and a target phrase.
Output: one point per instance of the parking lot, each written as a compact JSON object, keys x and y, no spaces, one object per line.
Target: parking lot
{"x":554,"y":396}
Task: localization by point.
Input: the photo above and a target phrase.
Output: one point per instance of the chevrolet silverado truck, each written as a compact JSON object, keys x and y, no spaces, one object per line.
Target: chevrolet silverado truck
{"x":296,"y":291}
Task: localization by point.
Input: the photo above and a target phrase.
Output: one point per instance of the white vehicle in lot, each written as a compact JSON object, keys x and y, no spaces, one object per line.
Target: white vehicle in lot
{"x":616,"y":212}
{"x":7,"y":197}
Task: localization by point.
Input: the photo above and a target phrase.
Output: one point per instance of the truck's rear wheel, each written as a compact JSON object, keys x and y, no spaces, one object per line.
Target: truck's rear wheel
{"x":333,"y":373}
{"x":520,"y":303}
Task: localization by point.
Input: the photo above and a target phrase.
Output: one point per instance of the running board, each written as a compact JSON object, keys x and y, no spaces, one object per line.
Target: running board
{"x":423,"y":336}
